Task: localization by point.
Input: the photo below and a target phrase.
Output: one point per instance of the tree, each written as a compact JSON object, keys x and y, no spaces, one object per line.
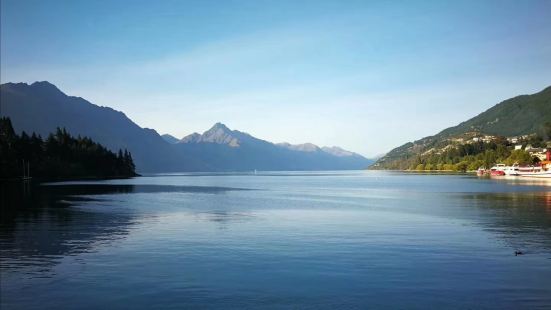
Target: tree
{"x":461,"y":166}
{"x":519,"y":156}
{"x":59,"y":156}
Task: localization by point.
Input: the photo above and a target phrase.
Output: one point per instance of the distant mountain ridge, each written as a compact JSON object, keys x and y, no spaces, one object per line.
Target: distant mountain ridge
{"x":305,"y":147}
{"x":221,"y":134}
{"x":337,"y":151}
{"x":236,"y":150}
{"x":170,"y":139}
{"x":41,"y":107}
{"x":521,"y":115}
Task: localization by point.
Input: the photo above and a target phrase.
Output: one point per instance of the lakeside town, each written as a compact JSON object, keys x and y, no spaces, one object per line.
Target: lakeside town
{"x":530,"y":155}
{"x":474,"y":152}
{"x":531,"y":144}
{"x":540,"y":166}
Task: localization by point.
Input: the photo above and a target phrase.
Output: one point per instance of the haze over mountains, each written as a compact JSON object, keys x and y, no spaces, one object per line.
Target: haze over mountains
{"x":226,"y":149}
{"x":41,"y":107}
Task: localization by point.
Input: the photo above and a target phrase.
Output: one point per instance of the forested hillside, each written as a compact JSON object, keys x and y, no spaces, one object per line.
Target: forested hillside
{"x":482,"y":140}
{"x":59,"y":156}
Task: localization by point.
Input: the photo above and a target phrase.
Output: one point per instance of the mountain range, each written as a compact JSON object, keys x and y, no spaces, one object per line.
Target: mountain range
{"x":518,"y":116}
{"x":41,"y":107}
{"x":226,"y":149}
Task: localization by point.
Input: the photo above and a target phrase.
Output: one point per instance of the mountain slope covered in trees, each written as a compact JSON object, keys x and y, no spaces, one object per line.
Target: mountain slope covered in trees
{"x":521,"y":115}
{"x":527,"y":117}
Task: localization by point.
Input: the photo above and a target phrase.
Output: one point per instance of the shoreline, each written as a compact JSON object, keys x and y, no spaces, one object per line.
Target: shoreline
{"x":62,"y":179}
{"x":426,"y":171}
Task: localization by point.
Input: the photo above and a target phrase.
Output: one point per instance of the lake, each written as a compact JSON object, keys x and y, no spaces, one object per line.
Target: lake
{"x":302,"y":240}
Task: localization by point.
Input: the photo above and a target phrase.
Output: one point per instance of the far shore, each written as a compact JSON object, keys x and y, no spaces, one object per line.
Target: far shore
{"x":428,"y":171}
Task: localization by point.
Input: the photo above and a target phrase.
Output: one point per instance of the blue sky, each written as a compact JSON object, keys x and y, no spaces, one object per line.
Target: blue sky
{"x":364,"y":75}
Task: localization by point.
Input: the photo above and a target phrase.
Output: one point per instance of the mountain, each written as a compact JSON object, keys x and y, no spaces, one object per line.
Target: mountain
{"x":170,"y":139}
{"x":518,"y":116}
{"x":226,"y":149}
{"x":305,"y":147}
{"x":309,"y":147}
{"x":41,"y":107}
{"x":337,"y":151}
{"x":219,"y":134}
{"x":190,"y":138}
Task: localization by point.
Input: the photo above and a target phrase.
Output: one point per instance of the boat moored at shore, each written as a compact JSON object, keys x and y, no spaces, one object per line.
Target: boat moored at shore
{"x":541,"y":170}
{"x":498,"y":170}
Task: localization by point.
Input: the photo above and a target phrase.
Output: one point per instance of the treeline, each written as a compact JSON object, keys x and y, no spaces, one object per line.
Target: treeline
{"x":466,"y":157}
{"x":438,"y":154}
{"x":471,"y":157}
{"x":59,"y":156}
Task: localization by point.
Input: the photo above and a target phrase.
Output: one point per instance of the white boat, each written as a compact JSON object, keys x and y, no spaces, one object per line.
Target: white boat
{"x":512,"y":170}
{"x":542,"y":171}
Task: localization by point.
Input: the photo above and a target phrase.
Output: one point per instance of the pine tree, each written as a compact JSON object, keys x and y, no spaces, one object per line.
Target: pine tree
{"x":59,"y":156}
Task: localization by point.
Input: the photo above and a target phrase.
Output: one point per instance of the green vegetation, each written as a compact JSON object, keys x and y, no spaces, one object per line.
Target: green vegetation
{"x":469,"y":157}
{"x":59,"y":156}
{"x":518,"y":116}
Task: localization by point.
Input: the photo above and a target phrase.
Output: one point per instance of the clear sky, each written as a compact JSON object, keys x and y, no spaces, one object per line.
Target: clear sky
{"x":364,"y":75}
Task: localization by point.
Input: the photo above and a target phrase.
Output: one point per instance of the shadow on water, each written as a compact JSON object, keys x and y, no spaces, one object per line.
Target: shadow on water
{"x":39,"y":225}
{"x":19,"y":198}
{"x":107,"y":189}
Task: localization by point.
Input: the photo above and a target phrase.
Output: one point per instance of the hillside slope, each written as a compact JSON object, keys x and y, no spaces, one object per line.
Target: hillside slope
{"x":41,"y":107}
{"x":521,"y":115}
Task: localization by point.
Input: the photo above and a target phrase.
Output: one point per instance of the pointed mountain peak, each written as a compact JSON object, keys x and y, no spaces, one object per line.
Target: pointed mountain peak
{"x":219,"y":126}
{"x":219,"y":134}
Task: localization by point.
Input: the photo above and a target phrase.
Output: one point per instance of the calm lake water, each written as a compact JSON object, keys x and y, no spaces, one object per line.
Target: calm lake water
{"x":277,"y":240}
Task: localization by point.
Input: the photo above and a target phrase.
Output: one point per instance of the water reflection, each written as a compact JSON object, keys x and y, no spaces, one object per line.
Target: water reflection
{"x":527,"y":181}
{"x":327,"y":241}
{"x":40,"y":225}
{"x":104,"y":189}
{"x":224,"y":218}
{"x":523,"y":219}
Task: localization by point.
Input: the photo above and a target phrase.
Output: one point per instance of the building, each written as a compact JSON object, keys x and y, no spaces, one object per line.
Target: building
{"x":488,"y":139}
{"x":540,"y":153}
